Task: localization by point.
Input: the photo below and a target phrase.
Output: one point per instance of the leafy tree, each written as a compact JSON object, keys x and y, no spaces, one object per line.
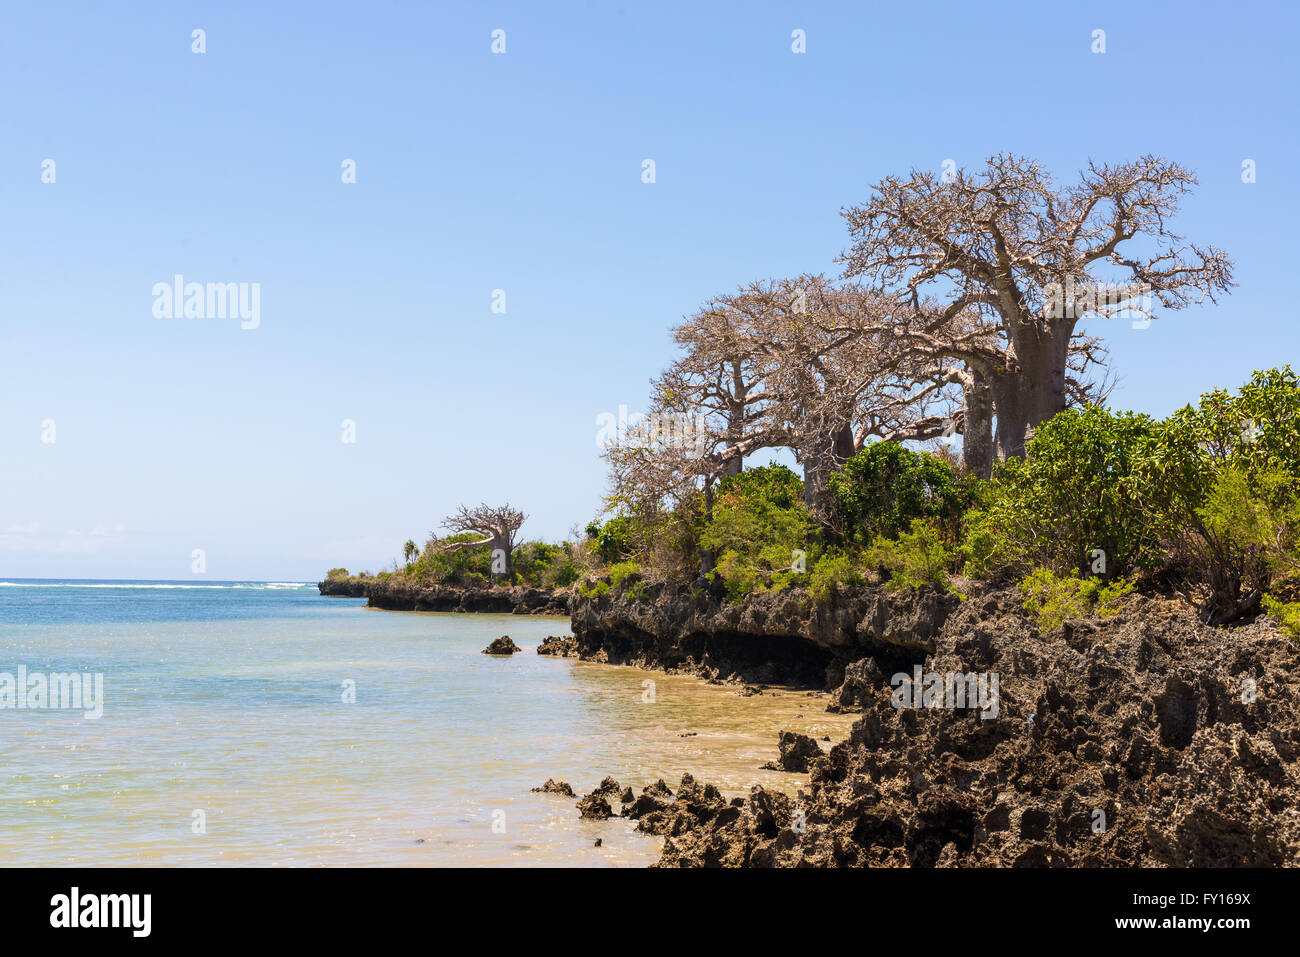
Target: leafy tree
{"x":1224,"y":473}
{"x":758,"y":527}
{"x":1076,"y":504}
{"x":884,"y":487}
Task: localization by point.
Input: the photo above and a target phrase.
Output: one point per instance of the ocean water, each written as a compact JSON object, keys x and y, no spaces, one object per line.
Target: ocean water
{"x":225,"y":737}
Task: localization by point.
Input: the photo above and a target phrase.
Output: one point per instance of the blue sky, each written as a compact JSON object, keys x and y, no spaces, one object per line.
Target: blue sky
{"x":519,"y":172}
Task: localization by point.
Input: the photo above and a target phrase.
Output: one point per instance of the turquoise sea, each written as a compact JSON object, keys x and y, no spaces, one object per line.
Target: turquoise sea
{"x":229,"y":735}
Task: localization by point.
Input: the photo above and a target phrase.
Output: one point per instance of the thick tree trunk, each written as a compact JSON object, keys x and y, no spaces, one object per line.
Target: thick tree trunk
{"x":736,"y":418}
{"x":735,"y":465}
{"x":1027,"y":398}
{"x":506,"y":545}
{"x":818,"y":464}
{"x":977,"y":430}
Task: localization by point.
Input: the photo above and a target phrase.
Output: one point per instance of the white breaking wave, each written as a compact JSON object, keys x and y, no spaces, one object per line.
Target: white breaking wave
{"x":260,"y":586}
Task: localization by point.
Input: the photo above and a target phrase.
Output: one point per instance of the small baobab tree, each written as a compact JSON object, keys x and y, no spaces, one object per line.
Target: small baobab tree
{"x":497,"y":525}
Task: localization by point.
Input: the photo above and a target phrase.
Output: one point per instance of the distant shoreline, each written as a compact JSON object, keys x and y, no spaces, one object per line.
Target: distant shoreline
{"x":399,"y":594}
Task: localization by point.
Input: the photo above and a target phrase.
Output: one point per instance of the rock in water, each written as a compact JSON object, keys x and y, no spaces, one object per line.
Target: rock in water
{"x":566,"y":647}
{"x":796,"y":751}
{"x":597,"y":803}
{"x":553,"y":786}
{"x":862,"y":681}
{"x":502,"y":646}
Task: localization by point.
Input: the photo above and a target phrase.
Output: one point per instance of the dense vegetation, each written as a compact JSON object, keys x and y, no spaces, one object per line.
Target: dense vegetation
{"x":957,"y":315}
{"x":1204,"y":504}
{"x":535,"y":564}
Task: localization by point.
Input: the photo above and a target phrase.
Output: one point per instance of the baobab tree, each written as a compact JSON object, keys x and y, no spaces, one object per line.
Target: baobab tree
{"x":964,"y":350}
{"x":1030,"y":259}
{"x":498,"y":526}
{"x":834,"y":372}
{"x":718,"y":377}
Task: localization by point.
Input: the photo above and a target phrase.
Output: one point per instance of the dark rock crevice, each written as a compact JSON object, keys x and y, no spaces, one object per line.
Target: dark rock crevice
{"x":778,"y":638}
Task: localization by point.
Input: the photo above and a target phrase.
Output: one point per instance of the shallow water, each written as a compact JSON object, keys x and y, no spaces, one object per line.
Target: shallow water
{"x":229,"y":701}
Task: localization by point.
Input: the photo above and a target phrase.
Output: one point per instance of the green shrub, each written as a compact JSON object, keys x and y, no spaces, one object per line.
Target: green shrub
{"x":1224,"y":475}
{"x":620,"y":573}
{"x":833,"y":569}
{"x":1286,"y":614}
{"x":337,"y":573}
{"x":561,"y":574}
{"x":917,"y":557}
{"x":985,"y":551}
{"x":596,"y":589}
{"x":612,"y":541}
{"x":1075,"y":498}
{"x":542,"y":564}
{"x":757,"y":529}
{"x":882,"y":489}
{"x":1254,"y":430}
{"x":1052,"y":598}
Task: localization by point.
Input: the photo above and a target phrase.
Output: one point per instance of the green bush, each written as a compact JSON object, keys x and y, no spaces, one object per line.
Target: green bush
{"x":620,"y":573}
{"x":882,"y":489}
{"x":1051,"y":598}
{"x":546,"y":565}
{"x":757,"y":529}
{"x":916,"y":557}
{"x":1254,"y":430}
{"x":612,"y":541}
{"x":463,"y":567}
{"x":596,"y":589}
{"x":833,"y":569}
{"x":1286,"y":614}
{"x":1077,"y":492}
{"x":1223,"y":475}
{"x":337,"y":573}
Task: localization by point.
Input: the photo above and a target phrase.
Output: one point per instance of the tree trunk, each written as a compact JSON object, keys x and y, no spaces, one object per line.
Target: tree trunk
{"x":977,"y":430}
{"x":736,"y":465}
{"x":506,"y":546}
{"x":736,"y":421}
{"x":1027,"y":398}
{"x":818,"y":464}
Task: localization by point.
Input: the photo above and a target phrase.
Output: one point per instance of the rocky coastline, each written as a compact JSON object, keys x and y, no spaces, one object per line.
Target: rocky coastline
{"x":400,"y":594}
{"x":1144,"y":739}
{"x":768,"y":638}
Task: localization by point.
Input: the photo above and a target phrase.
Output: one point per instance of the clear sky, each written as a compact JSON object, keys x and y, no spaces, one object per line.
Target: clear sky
{"x":521,"y":172}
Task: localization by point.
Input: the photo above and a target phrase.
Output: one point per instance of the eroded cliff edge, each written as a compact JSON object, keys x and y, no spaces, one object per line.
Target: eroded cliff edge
{"x":778,"y":638}
{"x":399,"y":594}
{"x":1142,"y":739}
